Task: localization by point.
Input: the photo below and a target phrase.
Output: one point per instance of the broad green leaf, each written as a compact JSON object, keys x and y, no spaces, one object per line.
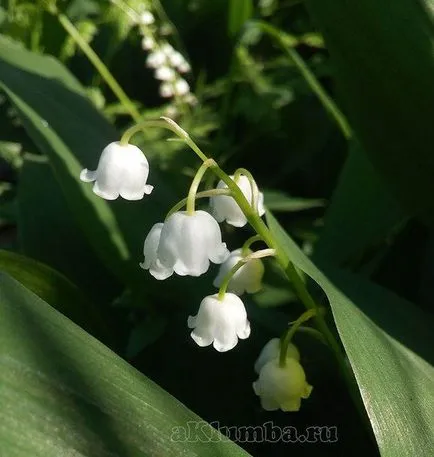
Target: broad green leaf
{"x":240,"y":11}
{"x":384,"y":66}
{"x":57,"y":290}
{"x":68,"y":129}
{"x":362,"y":212}
{"x":389,"y":344}
{"x":64,"y":393}
{"x":48,"y":232}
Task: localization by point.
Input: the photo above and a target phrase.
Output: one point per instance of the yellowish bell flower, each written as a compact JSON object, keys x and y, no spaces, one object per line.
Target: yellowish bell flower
{"x":247,"y":279}
{"x":282,"y":387}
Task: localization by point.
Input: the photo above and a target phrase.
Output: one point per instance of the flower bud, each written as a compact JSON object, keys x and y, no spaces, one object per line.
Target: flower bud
{"x":181,"y":87}
{"x":184,"y":67}
{"x":165,"y":73}
{"x":176,"y":59}
{"x":148,"y":43}
{"x":146,"y":18}
{"x":156,"y":59}
{"x":166,"y":90}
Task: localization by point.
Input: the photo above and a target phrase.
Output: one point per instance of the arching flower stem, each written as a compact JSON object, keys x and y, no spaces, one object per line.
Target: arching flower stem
{"x":291,"y":332}
{"x":261,"y":229}
{"x":159,"y":123}
{"x":191,"y":199}
{"x":203,"y":194}
{"x":246,"y":246}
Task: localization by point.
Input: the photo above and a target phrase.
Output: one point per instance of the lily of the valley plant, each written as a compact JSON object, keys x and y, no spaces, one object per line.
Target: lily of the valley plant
{"x":188,"y":240}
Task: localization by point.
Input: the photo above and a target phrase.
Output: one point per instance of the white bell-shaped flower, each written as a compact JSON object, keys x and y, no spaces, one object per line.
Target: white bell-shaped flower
{"x":224,"y":207}
{"x":282,"y":387}
{"x":271,"y":351}
{"x":184,"y":244}
{"x":220,"y":322}
{"x":122,"y":170}
{"x":247,"y":279}
{"x":150,"y":251}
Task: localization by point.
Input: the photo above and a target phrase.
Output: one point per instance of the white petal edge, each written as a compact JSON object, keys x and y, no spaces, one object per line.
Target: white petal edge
{"x":103,"y":194}
{"x":159,"y":272}
{"x":221,"y":346}
{"x":245,"y":332}
{"x":87,"y":175}
{"x":201,"y":341}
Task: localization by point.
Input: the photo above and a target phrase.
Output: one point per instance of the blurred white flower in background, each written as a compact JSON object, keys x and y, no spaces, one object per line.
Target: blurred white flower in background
{"x":166,"y":90}
{"x":146,"y":18}
{"x":181,"y":87}
{"x":148,"y":43}
{"x":168,"y":63}
{"x":156,"y":59}
{"x":165,"y":73}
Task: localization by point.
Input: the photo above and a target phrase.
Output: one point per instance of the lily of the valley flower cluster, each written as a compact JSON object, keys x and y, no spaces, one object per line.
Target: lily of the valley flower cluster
{"x":185,"y":243}
{"x":168,"y":64}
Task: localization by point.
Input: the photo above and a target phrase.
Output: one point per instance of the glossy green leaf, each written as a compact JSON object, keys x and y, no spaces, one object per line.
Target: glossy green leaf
{"x":362,"y":212}
{"x":64,"y":393}
{"x":49,"y":233}
{"x":384,"y":66}
{"x":389,"y":344}
{"x":57,"y":290}
{"x":68,"y":129}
